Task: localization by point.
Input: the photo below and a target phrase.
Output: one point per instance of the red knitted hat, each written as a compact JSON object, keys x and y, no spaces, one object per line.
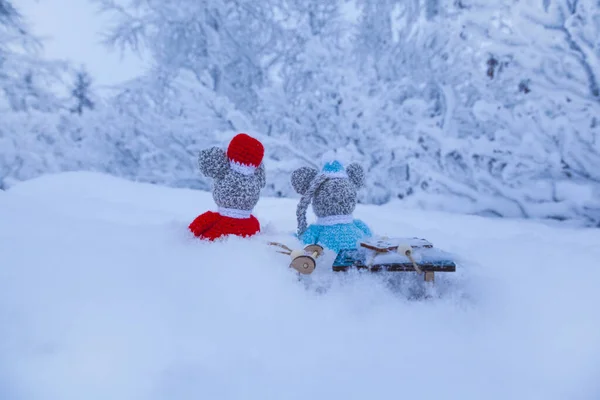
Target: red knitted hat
{"x":245,"y":153}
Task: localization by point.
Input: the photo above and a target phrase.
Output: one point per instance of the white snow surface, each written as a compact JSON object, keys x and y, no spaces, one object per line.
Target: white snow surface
{"x":105,"y":295}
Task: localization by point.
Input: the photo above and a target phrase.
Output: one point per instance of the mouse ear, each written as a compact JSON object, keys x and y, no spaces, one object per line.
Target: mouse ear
{"x":356,"y":174}
{"x":262,"y":175}
{"x":213,"y":163}
{"x":301,"y":179}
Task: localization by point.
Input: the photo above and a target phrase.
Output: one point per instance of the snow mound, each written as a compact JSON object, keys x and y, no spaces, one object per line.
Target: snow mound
{"x":105,"y":295}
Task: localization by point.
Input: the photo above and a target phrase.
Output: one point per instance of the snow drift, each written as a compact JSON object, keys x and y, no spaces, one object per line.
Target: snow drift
{"x":104,"y":294}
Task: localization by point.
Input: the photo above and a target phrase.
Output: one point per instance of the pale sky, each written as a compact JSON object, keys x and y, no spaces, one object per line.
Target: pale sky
{"x":71,"y":31}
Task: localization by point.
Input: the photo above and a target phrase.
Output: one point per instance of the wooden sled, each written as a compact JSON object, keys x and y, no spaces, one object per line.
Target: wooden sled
{"x":377,"y":255}
{"x":396,"y":255}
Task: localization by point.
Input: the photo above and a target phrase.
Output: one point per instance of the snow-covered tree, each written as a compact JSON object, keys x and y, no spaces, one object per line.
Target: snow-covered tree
{"x":490,"y":112}
{"x":227,"y":45}
{"x":529,"y":142}
{"x":34,"y":135}
{"x":470,"y":105}
{"x":26,"y":81}
{"x":81,"y":93}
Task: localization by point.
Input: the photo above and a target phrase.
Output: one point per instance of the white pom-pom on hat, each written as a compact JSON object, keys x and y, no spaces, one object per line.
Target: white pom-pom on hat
{"x":333,"y":163}
{"x":343,"y":156}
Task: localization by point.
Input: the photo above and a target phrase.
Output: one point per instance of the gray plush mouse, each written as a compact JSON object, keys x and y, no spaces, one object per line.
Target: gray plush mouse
{"x":239,"y":176}
{"x":333,"y":193}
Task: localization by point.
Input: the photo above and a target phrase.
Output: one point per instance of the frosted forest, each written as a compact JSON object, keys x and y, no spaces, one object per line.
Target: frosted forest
{"x":469,"y":106}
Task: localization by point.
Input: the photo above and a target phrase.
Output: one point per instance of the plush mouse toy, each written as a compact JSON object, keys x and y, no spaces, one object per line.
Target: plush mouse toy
{"x":333,"y":193}
{"x":239,"y":176}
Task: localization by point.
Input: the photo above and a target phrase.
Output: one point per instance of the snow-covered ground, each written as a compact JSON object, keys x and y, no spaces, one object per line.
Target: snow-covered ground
{"x":104,"y":295}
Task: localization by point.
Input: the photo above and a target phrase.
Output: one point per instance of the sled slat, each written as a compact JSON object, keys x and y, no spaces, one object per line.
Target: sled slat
{"x":404,"y":267}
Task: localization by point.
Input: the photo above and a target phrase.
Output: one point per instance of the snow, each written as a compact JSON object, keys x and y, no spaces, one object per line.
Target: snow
{"x":104,"y":294}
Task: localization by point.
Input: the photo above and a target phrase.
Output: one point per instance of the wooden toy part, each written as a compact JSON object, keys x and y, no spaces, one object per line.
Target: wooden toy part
{"x":406,"y":250}
{"x":314,"y":250}
{"x":287,"y":250}
{"x":297,"y":253}
{"x":304,"y":264}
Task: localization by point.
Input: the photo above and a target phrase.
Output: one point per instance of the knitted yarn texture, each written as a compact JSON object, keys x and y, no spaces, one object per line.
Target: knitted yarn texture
{"x":333,"y":193}
{"x":245,"y":154}
{"x":336,"y":237}
{"x":212,"y":225}
{"x":239,"y":175}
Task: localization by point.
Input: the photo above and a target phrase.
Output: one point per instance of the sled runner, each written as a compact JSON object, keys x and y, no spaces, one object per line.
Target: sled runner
{"x":376,"y":255}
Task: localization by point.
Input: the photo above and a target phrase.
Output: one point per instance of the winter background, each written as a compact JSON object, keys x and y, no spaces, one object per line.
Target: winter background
{"x":478,"y":125}
{"x":466,"y":106}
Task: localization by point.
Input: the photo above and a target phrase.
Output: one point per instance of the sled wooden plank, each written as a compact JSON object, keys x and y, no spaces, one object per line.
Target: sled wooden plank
{"x":400,"y":267}
{"x":387,"y":245}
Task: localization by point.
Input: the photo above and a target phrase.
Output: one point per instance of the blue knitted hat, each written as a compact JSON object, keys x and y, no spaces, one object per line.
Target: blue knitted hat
{"x":334,"y":169}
